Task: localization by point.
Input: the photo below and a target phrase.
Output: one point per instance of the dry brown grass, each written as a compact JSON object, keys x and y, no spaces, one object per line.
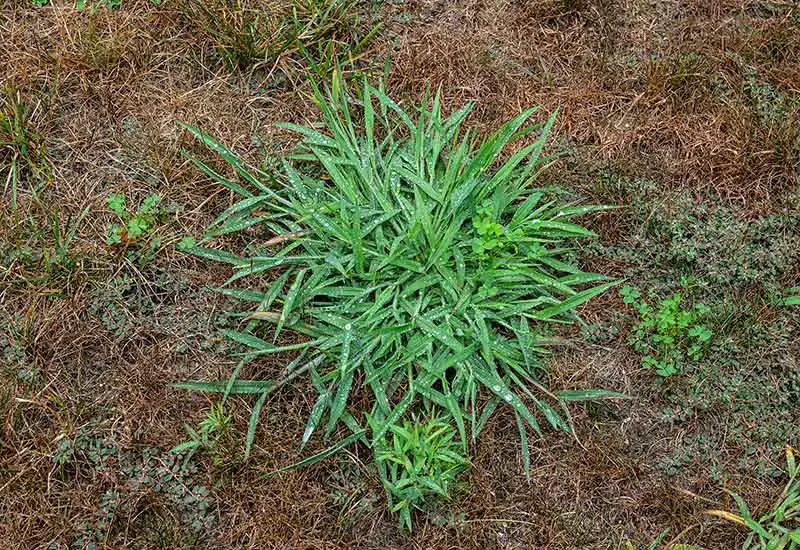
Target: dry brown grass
{"x":110,"y":87}
{"x":647,"y":87}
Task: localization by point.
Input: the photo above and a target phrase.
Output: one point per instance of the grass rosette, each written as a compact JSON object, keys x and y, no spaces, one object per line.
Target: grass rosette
{"x":415,"y":262}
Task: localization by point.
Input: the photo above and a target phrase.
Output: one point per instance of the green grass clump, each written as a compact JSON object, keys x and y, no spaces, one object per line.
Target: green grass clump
{"x":778,"y":528}
{"x":420,"y":463}
{"x":415,"y":262}
{"x":23,"y":161}
{"x":309,"y":35}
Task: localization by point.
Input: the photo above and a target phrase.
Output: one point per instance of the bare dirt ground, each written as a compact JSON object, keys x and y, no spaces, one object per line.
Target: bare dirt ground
{"x":671,"y":105}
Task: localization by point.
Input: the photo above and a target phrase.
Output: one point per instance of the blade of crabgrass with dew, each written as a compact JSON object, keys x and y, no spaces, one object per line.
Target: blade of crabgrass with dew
{"x":219,"y":178}
{"x":313,"y":459}
{"x":289,"y":301}
{"x":244,"y":206}
{"x":487,"y":411}
{"x":396,"y":413}
{"x":253,"y":424}
{"x":458,"y":416}
{"x":345,"y":382}
{"x":573,"y":301}
{"x":220,"y":386}
{"x":523,"y":437}
{"x":247,"y":339}
{"x":216,"y":255}
{"x":316,"y":415}
{"x":499,"y":388}
{"x":232,"y":380}
{"x":227,"y":155}
{"x":242,"y":294}
{"x":588,"y":395}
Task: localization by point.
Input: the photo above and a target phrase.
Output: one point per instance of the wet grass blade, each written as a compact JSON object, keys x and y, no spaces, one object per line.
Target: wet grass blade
{"x":313,"y":459}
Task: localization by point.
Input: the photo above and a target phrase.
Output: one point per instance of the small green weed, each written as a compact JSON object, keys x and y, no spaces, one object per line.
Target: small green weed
{"x":779,"y":528}
{"x":212,"y":428}
{"x":95,"y":5}
{"x":134,"y":232}
{"x":670,"y":335}
{"x":421,"y":462}
{"x":135,"y":224}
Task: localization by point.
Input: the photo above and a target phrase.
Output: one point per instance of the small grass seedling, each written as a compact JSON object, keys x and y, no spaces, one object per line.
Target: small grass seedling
{"x":419,"y":462}
{"x":212,"y":428}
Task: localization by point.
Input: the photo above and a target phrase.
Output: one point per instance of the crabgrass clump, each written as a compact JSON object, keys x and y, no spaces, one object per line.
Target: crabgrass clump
{"x":307,"y":34}
{"x":416,"y":264}
{"x":422,"y":461}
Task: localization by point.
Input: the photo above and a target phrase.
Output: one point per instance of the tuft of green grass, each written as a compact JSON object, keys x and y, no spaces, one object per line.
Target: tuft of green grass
{"x":778,"y":528}
{"x":212,"y":429}
{"x":313,"y":35}
{"x":23,"y":161}
{"x":420,"y":461}
{"x":416,"y":264}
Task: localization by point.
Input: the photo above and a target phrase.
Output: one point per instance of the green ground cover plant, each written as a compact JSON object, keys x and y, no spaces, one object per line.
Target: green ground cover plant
{"x":168,"y":482}
{"x":670,"y":334}
{"x":414,"y":262}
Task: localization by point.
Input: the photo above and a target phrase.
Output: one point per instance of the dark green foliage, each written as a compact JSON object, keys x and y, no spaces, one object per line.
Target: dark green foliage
{"x":748,"y":380}
{"x":738,"y":403}
{"x":714,"y":244}
{"x":167,"y":481}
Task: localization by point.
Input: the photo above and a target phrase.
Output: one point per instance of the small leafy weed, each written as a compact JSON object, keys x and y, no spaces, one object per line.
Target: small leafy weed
{"x":670,"y":335}
{"x":134,"y":224}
